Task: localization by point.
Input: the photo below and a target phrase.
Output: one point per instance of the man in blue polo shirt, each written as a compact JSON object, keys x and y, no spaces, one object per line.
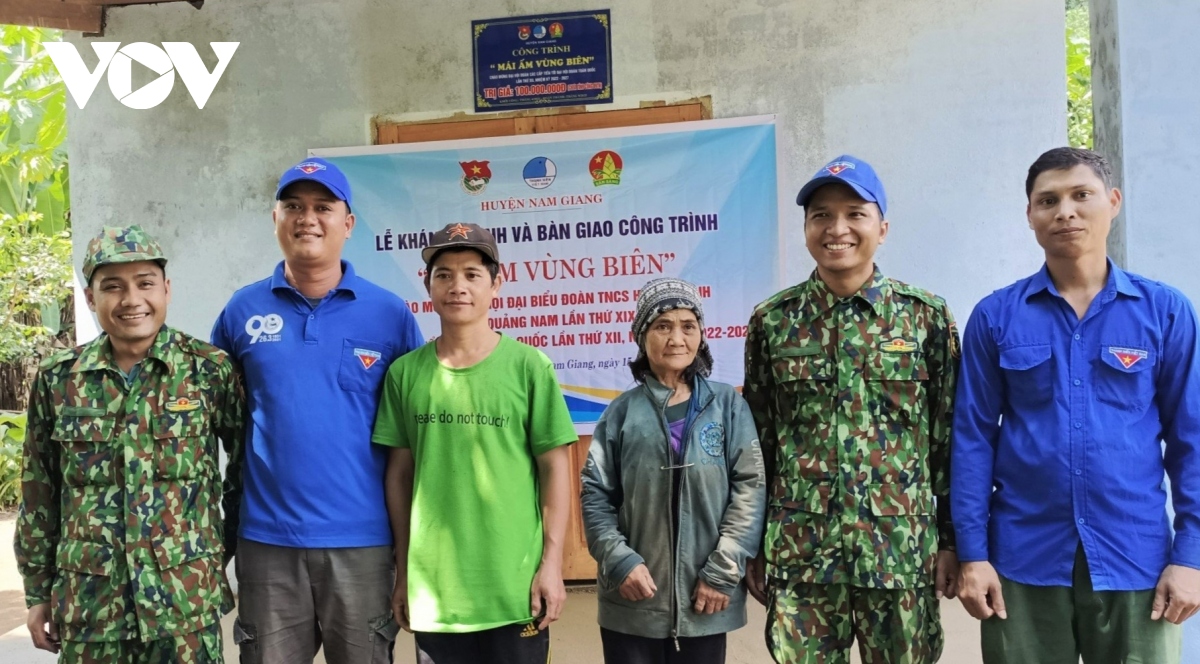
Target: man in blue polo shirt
{"x":1071,"y":380}
{"x":314,"y":557}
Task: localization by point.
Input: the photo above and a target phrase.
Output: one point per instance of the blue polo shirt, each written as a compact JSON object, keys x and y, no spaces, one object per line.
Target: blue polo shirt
{"x":312,"y":478}
{"x":1059,"y":427}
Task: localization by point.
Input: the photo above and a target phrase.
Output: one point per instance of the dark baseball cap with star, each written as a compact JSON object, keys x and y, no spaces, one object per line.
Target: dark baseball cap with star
{"x":461,"y":236}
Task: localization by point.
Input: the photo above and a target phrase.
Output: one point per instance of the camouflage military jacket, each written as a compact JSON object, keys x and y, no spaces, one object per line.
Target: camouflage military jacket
{"x":119,"y":525}
{"x":853,"y":400}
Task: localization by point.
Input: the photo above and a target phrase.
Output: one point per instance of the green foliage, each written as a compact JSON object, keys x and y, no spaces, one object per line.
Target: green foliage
{"x":12,"y":437}
{"x":35,"y":283}
{"x":35,"y":245}
{"x":1079,"y":75}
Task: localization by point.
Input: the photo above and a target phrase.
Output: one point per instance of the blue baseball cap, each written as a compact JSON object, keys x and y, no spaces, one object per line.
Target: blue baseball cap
{"x":851,"y":171}
{"x":320,"y":171}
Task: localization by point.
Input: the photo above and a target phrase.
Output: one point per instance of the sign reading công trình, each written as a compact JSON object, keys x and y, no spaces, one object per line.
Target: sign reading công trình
{"x":540,"y":61}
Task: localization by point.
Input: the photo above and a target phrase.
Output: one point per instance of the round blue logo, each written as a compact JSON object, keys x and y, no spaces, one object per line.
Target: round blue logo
{"x":712,"y":439}
{"x":539,"y":31}
{"x":539,"y":173}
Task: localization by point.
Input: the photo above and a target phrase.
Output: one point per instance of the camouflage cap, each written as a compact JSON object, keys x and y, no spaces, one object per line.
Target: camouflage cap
{"x":121,"y":244}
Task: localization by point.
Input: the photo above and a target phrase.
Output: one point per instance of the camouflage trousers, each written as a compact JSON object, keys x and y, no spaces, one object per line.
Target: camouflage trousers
{"x":810,"y":623}
{"x":200,"y":647}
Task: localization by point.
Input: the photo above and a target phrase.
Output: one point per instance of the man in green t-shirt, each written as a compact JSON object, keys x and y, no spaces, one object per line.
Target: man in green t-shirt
{"x":478,"y":484}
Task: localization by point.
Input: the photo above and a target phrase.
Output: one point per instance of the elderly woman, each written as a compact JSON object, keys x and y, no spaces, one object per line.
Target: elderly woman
{"x":673,"y":494}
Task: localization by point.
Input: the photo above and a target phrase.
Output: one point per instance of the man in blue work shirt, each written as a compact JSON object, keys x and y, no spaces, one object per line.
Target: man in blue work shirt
{"x":314,"y":557}
{"x":1070,"y":381}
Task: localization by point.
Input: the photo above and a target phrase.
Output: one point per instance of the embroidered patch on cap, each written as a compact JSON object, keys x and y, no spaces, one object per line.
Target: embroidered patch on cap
{"x":838,"y":166}
{"x":1128,"y":356}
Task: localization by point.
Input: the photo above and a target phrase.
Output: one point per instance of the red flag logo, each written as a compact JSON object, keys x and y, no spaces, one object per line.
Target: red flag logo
{"x":476,"y":169}
{"x":367,"y":357}
{"x":1128,"y":356}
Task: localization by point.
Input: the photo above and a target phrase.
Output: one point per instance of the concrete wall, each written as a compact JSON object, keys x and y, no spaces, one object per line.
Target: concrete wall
{"x":950,"y":100}
{"x":1146,"y":89}
{"x":1146,"y":72}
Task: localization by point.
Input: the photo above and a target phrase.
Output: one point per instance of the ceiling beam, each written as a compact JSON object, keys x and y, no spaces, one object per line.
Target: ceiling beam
{"x":53,"y":14}
{"x":114,"y":3}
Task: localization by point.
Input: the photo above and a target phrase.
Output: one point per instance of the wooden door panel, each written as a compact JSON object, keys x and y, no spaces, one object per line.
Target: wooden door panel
{"x":578,"y":564}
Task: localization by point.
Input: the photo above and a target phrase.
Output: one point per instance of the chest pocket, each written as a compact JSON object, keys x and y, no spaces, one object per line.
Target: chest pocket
{"x":1029,"y":374}
{"x":363,"y":365}
{"x":804,"y":376}
{"x":1124,"y":377}
{"x":182,"y":441}
{"x":86,"y":442}
{"x":897,"y":385}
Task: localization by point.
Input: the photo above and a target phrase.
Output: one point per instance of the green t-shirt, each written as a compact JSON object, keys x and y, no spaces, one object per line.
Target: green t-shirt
{"x":476,"y":528}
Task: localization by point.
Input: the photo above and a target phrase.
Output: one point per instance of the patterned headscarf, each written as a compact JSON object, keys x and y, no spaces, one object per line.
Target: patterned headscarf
{"x":661,"y":295}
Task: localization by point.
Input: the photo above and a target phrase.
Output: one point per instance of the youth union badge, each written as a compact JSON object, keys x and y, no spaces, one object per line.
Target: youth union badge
{"x":712,"y":439}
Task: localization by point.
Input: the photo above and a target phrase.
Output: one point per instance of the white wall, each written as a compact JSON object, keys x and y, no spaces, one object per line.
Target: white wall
{"x":1147,"y":74}
{"x":1146,"y":89}
{"x":950,"y":100}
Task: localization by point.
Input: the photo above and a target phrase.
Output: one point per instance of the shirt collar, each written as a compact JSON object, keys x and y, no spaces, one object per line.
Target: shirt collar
{"x":873,"y":293}
{"x":1118,"y":282}
{"x":97,"y":356}
{"x":1120,"y":279}
{"x":349,"y":282}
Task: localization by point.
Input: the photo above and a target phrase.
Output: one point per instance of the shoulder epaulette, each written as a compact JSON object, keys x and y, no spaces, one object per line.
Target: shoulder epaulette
{"x":919,"y":293}
{"x":203,"y":349}
{"x":781,"y":297}
{"x":61,"y":356}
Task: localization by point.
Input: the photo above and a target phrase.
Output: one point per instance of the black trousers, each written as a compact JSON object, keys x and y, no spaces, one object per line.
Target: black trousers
{"x":628,"y":649}
{"x":511,"y":644}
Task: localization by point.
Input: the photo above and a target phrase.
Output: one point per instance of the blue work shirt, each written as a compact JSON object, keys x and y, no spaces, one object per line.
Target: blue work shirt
{"x":1058,"y":431}
{"x":312,"y":478}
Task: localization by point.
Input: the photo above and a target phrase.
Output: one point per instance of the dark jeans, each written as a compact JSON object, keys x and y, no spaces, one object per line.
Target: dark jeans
{"x":512,"y":644}
{"x":629,"y":649}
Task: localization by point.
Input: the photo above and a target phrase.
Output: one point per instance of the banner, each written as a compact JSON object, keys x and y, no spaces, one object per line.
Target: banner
{"x":583,"y":220}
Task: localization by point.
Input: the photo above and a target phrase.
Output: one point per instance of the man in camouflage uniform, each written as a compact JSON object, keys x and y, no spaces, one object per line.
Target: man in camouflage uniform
{"x":850,"y":376}
{"x":119,"y":537}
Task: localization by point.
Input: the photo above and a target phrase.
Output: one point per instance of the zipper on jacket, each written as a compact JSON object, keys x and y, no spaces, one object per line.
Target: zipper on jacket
{"x":683,"y":447}
{"x":662,"y":421}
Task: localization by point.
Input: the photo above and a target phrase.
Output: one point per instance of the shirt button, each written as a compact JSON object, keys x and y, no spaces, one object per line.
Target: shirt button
{"x":1076,"y":337}
{"x":312,"y":317}
{"x":1079,"y":425}
{"x":1078,"y":471}
{"x":1077,"y":382}
{"x":1082,"y":521}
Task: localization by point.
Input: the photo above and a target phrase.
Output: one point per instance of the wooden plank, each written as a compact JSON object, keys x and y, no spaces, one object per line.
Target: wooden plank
{"x":578,"y":564}
{"x":522,"y":126}
{"x":388,"y":132}
{"x":52,"y":14}
{"x":446,"y":131}
{"x":623,"y":118}
{"x":111,"y":3}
